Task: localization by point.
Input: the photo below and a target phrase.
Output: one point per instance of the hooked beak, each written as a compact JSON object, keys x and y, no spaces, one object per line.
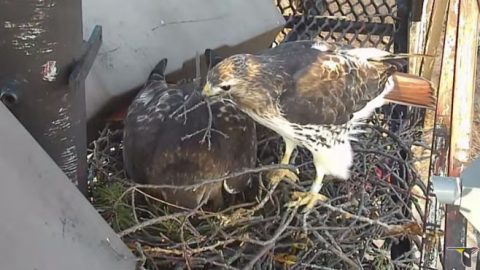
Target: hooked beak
{"x":207,"y":90}
{"x":210,"y":92}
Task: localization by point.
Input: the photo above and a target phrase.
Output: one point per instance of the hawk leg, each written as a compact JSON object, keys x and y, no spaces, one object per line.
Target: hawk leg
{"x":278,"y":175}
{"x":310,"y":198}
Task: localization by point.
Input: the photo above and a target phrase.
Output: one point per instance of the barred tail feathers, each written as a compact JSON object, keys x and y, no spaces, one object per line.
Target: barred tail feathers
{"x":411,"y":90}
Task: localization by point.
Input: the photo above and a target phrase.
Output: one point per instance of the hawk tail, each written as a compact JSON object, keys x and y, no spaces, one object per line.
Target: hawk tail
{"x":158,"y":72}
{"x":211,"y":58}
{"x":412,"y":90}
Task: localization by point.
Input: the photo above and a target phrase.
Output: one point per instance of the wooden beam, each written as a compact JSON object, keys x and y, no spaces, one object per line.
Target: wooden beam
{"x":466,"y":14}
{"x":443,"y":115}
{"x":434,"y":33}
{"x":426,"y":35}
{"x":464,"y":88}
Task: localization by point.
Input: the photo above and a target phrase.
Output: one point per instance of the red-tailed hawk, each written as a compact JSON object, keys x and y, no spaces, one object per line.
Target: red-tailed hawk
{"x":157,"y":150}
{"x":314,"y":94}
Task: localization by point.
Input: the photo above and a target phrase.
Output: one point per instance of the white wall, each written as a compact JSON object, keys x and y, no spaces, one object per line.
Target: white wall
{"x":138,"y":33}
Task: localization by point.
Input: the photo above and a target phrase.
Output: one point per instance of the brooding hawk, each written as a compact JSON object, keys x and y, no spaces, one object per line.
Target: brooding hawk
{"x":159,"y":148}
{"x":314,"y":94}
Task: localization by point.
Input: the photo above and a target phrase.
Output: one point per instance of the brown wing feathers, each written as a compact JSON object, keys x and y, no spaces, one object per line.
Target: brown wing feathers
{"x":408,"y":89}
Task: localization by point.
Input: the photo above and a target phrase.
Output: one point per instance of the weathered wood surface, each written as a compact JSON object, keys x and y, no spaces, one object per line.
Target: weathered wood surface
{"x":455,"y":22}
{"x":426,"y":37}
{"x":462,"y":118}
{"x":454,"y":112}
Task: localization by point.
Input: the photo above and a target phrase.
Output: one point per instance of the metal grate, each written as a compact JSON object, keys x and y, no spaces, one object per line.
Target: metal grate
{"x":368,"y":23}
{"x":365,"y":23}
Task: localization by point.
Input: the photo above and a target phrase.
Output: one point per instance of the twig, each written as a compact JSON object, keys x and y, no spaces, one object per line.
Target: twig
{"x":257,"y":257}
{"x":218,"y":179}
{"x":153,"y":251}
{"x":150,"y":222}
{"x":337,"y":252}
{"x":286,"y":219}
{"x":208,"y":131}
{"x":335,"y":235}
{"x":194,"y":107}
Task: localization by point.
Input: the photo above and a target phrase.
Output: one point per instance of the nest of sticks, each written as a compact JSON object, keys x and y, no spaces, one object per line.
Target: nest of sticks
{"x":357,"y":228}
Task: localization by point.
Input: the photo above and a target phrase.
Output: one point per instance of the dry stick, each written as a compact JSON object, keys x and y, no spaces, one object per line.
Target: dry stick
{"x":285,"y":222}
{"x":208,"y":181}
{"x":152,"y":251}
{"x":330,"y":222}
{"x":257,"y":207}
{"x":260,"y":254}
{"x":194,"y":107}
{"x":271,"y":242}
{"x":360,"y":218}
{"x":337,"y":252}
{"x":196,"y":83}
{"x":134,"y":209}
{"x":143,"y":259}
{"x":312,"y":266}
{"x":150,"y":222}
{"x":157,"y":220}
{"x":219,"y":179}
{"x":208,"y":132}
{"x":226,"y":210}
{"x":266,"y":198}
{"x":159,"y":200}
{"x":184,"y":107}
{"x":204,"y":130}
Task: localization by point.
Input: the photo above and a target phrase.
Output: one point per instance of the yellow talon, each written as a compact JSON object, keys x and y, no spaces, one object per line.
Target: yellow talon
{"x":277,"y":176}
{"x":235,"y":217}
{"x":309,"y":199}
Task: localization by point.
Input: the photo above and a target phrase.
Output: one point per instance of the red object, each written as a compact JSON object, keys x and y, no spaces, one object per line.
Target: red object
{"x":381,"y":174}
{"x":118,"y":115}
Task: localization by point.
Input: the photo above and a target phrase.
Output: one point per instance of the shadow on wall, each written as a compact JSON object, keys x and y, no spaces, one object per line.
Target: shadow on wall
{"x":119,"y":104}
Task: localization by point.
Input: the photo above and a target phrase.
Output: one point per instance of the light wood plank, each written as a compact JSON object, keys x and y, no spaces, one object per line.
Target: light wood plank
{"x":445,"y":93}
{"x":464,"y":88}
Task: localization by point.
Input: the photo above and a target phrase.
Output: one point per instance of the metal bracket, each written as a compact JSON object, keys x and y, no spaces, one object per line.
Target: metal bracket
{"x":76,"y":82}
{"x":90,"y":51}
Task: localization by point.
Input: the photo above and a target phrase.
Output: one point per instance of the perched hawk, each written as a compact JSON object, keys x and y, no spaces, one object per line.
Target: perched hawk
{"x":314,"y":94}
{"x":159,"y":150}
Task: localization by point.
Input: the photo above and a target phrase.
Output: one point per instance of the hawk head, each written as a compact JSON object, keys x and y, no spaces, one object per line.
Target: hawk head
{"x":229,"y":77}
{"x":241,"y":79}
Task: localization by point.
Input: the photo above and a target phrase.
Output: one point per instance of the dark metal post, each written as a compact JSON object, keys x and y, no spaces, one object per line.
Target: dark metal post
{"x":40,"y":41}
{"x":400,"y":114}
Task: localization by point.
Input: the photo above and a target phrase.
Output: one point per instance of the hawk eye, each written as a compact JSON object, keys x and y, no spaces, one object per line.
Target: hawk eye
{"x":225,"y":87}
